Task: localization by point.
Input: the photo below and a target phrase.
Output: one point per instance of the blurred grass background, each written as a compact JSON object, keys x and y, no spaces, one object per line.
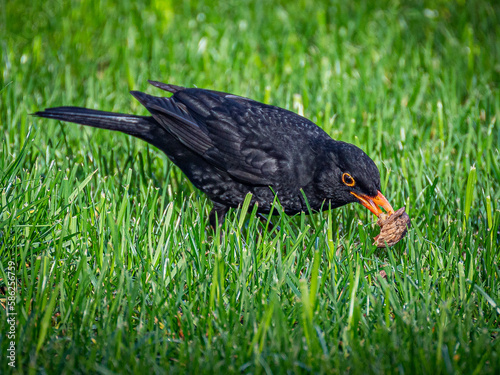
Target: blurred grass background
{"x":116,"y":270}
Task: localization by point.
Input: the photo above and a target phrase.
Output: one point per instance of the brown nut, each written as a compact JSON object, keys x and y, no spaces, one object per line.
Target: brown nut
{"x":392,"y":228}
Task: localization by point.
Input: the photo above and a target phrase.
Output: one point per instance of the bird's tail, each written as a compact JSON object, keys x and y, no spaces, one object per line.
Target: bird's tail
{"x":139,"y":126}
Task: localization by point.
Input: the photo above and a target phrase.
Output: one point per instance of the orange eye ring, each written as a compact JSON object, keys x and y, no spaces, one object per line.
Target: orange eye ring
{"x":348,"y":180}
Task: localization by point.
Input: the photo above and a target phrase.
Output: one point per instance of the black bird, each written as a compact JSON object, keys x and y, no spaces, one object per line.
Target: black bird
{"x":229,"y":146}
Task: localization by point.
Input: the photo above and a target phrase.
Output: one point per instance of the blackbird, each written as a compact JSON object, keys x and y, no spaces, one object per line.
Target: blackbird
{"x":229,"y":146}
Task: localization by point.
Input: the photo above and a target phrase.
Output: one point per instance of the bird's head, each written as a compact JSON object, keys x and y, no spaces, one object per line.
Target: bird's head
{"x":351,"y":176}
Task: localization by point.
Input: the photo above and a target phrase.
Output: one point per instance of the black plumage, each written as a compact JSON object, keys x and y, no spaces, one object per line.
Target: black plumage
{"x":229,"y":146}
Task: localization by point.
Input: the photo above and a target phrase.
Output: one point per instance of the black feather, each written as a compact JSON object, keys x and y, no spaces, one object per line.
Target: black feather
{"x":129,"y":124}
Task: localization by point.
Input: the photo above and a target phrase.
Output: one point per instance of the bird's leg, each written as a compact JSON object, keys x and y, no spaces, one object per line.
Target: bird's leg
{"x":217,"y":215}
{"x":264,"y":220}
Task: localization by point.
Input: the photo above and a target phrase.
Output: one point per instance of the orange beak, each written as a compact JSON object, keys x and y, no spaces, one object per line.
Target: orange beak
{"x":373,"y":203}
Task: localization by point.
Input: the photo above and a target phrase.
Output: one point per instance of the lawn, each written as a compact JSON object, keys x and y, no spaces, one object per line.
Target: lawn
{"x":105,"y":245}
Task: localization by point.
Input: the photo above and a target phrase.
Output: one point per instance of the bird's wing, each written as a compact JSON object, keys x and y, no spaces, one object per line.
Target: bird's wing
{"x":176,"y":119}
{"x":253,"y":142}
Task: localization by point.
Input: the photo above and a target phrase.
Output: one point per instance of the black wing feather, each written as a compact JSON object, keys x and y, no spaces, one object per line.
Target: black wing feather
{"x":176,"y":121}
{"x":236,"y":134}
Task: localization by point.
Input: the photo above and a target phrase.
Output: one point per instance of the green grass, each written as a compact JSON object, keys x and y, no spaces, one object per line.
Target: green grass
{"x":116,"y":270}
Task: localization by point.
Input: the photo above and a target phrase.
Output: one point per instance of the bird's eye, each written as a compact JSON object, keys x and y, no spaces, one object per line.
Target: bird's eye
{"x":348,"y":180}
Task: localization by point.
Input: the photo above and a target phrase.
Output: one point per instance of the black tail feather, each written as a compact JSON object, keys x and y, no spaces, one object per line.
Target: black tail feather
{"x":129,"y":124}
